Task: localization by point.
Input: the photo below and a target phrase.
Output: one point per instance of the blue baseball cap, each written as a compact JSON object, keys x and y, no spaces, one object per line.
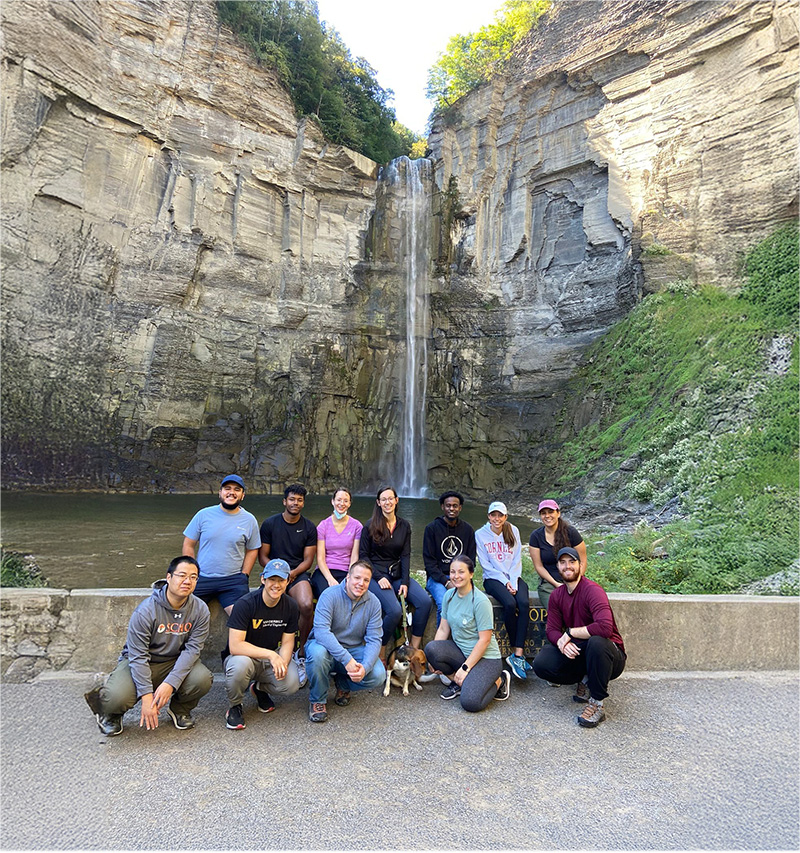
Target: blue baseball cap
{"x":276,"y":568}
{"x":232,"y":478}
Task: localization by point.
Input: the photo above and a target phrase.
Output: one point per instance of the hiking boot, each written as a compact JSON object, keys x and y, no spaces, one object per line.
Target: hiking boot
{"x":342,"y":697}
{"x":581,"y":693}
{"x":517,"y":665}
{"x":593,"y":714}
{"x":109,"y":724}
{"x":451,"y":691}
{"x":180,"y":721}
{"x":265,"y":703}
{"x":504,"y":690}
{"x":317,"y":712}
{"x":301,"y":669}
{"x":234,"y":717}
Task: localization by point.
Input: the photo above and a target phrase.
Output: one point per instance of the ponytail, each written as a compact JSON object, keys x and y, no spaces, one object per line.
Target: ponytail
{"x":508,"y":535}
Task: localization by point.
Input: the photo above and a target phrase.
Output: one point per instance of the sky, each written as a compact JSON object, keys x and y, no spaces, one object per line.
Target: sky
{"x":402,"y":41}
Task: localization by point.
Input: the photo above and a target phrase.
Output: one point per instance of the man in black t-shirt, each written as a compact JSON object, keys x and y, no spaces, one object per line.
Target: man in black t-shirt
{"x":288,"y":536}
{"x":261,"y":631}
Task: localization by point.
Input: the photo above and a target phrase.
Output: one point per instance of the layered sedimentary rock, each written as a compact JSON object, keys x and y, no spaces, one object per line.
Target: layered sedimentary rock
{"x":194,"y":281}
{"x":178,"y":261}
{"x":629,"y":145}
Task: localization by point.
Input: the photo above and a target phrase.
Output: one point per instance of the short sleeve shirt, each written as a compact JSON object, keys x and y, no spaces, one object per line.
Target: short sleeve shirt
{"x":264,"y":626}
{"x":288,"y":541}
{"x":223,"y":538}
{"x":546,"y":552}
{"x":466,"y":617}
{"x":338,"y":546}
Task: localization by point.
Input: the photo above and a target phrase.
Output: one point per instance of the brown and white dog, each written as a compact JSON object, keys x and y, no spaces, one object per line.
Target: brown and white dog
{"x":404,"y":666}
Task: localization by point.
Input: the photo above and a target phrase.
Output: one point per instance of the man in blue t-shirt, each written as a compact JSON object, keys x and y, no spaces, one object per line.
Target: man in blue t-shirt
{"x":225,"y":541}
{"x":288,"y":536}
{"x":261,"y":633}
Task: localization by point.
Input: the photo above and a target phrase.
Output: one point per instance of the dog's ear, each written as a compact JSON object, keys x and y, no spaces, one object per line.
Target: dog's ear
{"x":419,"y":662}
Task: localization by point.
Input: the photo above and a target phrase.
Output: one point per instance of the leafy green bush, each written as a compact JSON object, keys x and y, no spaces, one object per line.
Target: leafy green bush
{"x":470,"y":60}
{"x":17,"y":570}
{"x":771,"y":270}
{"x":323,"y":78}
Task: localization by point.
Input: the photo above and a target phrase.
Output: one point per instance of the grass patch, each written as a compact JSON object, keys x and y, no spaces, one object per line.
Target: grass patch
{"x":19,"y":570}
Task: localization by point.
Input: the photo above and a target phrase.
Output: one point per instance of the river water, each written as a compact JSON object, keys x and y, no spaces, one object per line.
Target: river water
{"x":109,"y":540}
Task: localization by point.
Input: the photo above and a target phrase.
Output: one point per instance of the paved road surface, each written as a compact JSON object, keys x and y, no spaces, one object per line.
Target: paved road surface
{"x":684,"y":761}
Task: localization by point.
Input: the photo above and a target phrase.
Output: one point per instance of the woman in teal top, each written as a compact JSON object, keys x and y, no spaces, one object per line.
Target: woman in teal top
{"x":464,"y":648}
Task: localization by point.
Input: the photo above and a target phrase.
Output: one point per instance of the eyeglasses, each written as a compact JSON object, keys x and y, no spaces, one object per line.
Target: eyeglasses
{"x":182,"y":576}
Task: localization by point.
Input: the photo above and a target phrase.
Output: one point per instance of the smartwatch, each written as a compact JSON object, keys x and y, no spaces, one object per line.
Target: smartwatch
{"x":464,"y":667}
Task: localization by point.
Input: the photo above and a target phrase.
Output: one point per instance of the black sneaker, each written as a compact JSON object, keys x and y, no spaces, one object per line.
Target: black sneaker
{"x":109,"y":724}
{"x":265,"y":703}
{"x":181,"y":721}
{"x":504,"y":690}
{"x":451,"y":691}
{"x":234,"y":718}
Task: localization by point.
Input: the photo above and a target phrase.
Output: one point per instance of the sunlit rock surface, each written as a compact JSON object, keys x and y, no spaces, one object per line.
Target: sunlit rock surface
{"x":194,"y":281}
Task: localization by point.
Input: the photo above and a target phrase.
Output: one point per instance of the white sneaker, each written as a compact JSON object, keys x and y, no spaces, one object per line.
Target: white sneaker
{"x":301,"y":668}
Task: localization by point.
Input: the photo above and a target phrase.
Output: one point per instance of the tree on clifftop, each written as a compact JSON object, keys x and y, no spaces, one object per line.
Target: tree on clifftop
{"x":470,"y":60}
{"x":325,"y":81}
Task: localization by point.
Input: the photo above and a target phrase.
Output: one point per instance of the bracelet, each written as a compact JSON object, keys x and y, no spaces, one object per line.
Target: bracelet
{"x":569,"y":634}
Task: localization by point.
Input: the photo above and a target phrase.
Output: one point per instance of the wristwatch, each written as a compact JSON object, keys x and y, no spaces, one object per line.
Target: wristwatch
{"x":464,"y":667}
{"x":569,"y":634}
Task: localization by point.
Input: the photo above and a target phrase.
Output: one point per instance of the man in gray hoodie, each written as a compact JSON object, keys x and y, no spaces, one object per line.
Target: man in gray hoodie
{"x":160,"y":662}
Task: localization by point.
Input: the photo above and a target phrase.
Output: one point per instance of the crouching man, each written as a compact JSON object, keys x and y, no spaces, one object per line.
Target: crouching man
{"x":345,"y":642}
{"x":261,"y":633}
{"x":160,"y":661}
{"x":587,"y":648}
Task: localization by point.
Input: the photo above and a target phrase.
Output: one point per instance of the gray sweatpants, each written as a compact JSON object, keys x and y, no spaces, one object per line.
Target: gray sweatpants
{"x":479,"y":687}
{"x":240,"y":670}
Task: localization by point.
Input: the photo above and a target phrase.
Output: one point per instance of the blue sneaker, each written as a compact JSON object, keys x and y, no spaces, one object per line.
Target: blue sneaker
{"x":517,"y":665}
{"x":528,"y":667}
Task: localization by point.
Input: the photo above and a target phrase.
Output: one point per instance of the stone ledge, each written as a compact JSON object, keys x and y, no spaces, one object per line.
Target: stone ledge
{"x":84,"y":629}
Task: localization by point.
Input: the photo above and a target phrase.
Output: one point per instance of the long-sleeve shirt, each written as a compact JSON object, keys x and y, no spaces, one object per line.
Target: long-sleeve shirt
{"x":498,"y":561}
{"x":341,"y":624}
{"x":159,"y":632}
{"x":586,"y":607}
{"x":442,"y":543}
{"x":396,"y":547}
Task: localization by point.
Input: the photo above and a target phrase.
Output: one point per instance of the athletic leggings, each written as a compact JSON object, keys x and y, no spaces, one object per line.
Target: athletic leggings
{"x":516,"y":623}
{"x":479,"y":687}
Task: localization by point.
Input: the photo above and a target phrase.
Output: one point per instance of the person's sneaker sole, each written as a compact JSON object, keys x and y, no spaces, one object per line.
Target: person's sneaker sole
{"x":506,"y":676}
{"x":175,"y":722}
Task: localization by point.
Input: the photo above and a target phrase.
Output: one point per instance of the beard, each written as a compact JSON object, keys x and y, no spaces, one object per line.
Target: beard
{"x":231,"y":504}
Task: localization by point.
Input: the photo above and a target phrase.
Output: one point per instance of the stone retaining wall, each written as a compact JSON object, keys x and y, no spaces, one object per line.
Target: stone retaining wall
{"x":84,"y":629}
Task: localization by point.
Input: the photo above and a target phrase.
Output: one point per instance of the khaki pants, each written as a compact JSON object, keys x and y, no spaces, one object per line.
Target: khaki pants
{"x":119,"y":693}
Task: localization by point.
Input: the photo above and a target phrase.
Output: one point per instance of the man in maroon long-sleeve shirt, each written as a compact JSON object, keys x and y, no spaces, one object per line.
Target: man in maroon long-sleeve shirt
{"x":587,"y":648}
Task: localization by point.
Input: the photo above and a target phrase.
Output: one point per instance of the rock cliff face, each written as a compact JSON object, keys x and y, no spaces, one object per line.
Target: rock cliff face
{"x":194,"y":281}
{"x":629,"y":145}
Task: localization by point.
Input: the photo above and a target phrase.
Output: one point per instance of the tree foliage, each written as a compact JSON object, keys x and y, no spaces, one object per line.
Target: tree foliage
{"x":324,"y":79}
{"x":471,"y":60}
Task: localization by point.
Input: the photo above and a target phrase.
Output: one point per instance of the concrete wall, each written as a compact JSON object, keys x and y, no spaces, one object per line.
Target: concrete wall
{"x":84,"y":630}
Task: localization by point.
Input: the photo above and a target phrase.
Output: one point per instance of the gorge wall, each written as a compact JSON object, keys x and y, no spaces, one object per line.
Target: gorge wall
{"x":195,"y":282}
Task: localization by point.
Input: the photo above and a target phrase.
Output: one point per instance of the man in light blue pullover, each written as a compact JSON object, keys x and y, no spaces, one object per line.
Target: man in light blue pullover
{"x":345,"y":642}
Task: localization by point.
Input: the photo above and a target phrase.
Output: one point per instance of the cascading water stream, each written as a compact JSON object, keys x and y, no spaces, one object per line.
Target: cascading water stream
{"x":414,"y":210}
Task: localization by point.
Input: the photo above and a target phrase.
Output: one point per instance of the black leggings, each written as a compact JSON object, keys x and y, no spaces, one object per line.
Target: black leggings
{"x":479,"y":687}
{"x":516,"y":625}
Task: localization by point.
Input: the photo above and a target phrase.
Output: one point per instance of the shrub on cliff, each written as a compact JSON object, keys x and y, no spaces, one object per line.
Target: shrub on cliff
{"x":323,"y":78}
{"x":471,"y":60}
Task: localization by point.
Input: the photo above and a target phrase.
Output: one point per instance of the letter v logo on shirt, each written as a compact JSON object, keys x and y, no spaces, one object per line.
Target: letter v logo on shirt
{"x":257,"y":623}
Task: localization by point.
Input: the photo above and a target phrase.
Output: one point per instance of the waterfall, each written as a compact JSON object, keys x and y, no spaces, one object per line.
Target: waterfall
{"x":413,"y":208}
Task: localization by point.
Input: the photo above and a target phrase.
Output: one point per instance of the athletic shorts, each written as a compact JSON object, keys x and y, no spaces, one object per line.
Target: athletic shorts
{"x":304,"y":576}
{"x":227,"y":589}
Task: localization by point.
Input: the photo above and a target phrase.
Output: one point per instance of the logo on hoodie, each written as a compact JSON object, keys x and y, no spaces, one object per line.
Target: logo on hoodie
{"x":174,"y":628}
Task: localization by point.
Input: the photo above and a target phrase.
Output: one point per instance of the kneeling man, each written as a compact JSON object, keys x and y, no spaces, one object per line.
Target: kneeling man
{"x":345,"y":642}
{"x":587,"y":648}
{"x":160,"y":662}
{"x":261,"y":632}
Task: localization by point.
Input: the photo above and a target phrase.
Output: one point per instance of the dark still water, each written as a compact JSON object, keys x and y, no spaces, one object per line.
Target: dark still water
{"x":93,"y":540}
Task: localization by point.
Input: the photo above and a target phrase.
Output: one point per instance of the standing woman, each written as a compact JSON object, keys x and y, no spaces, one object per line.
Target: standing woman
{"x":499,"y":550}
{"x":465,"y":648}
{"x":546,"y":542}
{"x":338,"y":538}
{"x":386,"y":543}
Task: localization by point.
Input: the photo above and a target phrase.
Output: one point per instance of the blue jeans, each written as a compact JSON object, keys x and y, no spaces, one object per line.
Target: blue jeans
{"x":320,"y":665}
{"x":437,"y":591}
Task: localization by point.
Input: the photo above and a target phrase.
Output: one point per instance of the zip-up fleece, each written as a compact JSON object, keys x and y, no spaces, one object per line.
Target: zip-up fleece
{"x":158,"y":632}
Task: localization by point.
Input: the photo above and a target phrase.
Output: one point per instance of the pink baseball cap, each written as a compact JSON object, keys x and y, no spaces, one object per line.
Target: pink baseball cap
{"x":548,"y":505}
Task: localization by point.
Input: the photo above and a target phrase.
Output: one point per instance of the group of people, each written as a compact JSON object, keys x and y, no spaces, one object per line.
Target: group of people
{"x":278,"y":640}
